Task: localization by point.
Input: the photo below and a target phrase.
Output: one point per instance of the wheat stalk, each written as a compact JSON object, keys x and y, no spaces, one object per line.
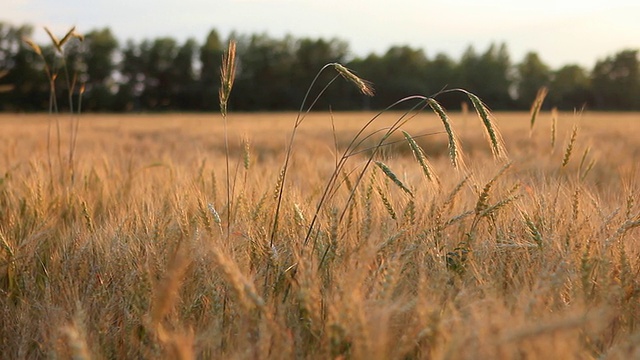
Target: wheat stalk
{"x":52,"y":75}
{"x":227,"y":78}
{"x":364,"y":87}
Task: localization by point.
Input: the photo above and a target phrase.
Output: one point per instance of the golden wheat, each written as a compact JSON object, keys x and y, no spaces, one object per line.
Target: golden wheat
{"x":131,"y":260}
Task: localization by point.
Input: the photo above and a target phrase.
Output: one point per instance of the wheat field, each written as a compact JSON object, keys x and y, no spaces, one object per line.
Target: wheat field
{"x":137,"y":249}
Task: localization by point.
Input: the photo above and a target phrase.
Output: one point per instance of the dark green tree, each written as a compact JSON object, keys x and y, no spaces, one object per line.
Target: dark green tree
{"x":183,"y":79}
{"x":309,"y":57}
{"x":275,"y":73}
{"x":532,"y":74}
{"x":401,"y":72}
{"x":442,"y":73}
{"x":264,"y":80}
{"x":616,"y":81}
{"x":404,"y":73}
{"x":210,"y":61}
{"x":100,"y":47}
{"x":488,"y":75}
{"x":157,"y":94}
{"x":570,"y":88}
{"x":132,"y":69}
{"x":23,"y":71}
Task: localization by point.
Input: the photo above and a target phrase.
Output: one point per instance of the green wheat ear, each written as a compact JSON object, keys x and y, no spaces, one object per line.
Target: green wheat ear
{"x":454,"y":147}
{"x":421,"y":158}
{"x":392,"y":176}
{"x":495,"y":138}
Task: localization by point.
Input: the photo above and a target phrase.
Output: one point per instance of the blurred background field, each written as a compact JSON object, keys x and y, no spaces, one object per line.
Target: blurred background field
{"x":187,"y":139}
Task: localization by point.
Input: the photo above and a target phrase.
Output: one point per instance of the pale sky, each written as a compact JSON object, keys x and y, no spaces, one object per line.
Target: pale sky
{"x":561,"y":32}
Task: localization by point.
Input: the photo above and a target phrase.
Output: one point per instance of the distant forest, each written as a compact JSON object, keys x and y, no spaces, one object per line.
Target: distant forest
{"x":163,"y":74}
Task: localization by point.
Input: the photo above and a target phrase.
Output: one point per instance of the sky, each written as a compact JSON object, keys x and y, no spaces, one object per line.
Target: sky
{"x":561,"y":31}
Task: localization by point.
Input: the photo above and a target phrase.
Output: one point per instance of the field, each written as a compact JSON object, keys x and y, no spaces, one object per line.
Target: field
{"x":131,"y":250}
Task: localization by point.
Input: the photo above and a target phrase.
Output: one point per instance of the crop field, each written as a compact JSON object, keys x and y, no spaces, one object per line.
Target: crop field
{"x":133,"y":241}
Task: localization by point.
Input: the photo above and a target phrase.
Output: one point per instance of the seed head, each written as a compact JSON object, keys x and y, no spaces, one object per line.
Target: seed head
{"x":227,"y":76}
{"x":363,"y":85}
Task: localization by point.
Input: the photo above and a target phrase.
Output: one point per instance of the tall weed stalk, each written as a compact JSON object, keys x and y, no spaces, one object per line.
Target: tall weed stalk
{"x":52,"y":72}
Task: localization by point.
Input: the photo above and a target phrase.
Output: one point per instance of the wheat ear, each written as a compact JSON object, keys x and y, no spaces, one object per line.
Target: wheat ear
{"x":536,"y":106}
{"x":495,"y":138}
{"x":454,"y":147}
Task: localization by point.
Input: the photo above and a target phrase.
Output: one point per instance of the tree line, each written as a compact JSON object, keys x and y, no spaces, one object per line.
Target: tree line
{"x":163,"y":74}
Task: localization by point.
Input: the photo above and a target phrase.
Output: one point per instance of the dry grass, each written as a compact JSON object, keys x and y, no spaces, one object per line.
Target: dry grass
{"x":537,"y":259}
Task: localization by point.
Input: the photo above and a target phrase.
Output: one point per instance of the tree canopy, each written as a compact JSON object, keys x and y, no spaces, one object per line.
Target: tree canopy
{"x":163,"y":74}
